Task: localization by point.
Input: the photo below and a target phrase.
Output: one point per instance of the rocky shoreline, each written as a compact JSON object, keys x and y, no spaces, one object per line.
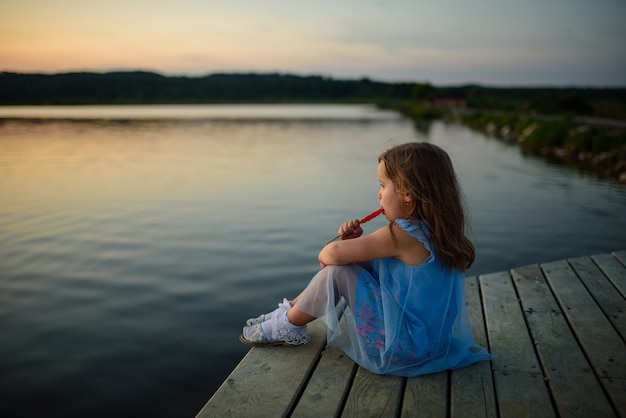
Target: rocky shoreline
{"x":610,"y":164}
{"x":601,"y":149}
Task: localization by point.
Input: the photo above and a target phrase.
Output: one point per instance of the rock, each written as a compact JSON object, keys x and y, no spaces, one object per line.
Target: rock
{"x":527,"y":132}
{"x":603,"y":158}
{"x":620,"y":166}
{"x":561,"y":152}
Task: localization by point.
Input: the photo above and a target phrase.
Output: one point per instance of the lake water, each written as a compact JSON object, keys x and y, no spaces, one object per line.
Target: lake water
{"x":136,"y":240}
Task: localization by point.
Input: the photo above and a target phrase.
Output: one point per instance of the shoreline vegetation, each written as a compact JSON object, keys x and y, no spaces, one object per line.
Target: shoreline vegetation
{"x":590,"y":144}
{"x":581,"y":127}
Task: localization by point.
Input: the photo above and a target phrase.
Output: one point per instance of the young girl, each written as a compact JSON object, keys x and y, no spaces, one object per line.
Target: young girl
{"x":402,"y":286}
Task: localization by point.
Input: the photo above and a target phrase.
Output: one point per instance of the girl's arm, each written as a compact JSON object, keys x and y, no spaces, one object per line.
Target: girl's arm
{"x":378,"y":244}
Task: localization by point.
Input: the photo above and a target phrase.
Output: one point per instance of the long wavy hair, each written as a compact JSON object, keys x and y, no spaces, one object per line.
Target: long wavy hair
{"x":425,"y":172}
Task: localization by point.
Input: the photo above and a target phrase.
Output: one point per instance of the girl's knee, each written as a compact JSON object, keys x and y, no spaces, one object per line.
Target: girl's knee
{"x":344,"y":278}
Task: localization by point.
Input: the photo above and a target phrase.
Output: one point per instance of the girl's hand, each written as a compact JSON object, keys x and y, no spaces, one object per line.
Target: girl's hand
{"x":350,"y":229}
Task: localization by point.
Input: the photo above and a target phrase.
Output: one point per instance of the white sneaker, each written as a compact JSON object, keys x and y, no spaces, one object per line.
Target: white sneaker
{"x":275,"y":331}
{"x":282,"y":307}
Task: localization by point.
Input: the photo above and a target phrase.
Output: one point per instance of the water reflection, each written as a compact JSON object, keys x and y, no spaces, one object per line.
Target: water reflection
{"x":238,"y":112}
{"x":128,"y":249}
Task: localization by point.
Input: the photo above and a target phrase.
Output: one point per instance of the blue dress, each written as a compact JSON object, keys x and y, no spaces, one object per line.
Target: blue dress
{"x":404,"y":320}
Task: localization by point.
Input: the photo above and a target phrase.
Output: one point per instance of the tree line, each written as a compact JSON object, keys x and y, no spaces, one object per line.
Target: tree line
{"x":152,"y":88}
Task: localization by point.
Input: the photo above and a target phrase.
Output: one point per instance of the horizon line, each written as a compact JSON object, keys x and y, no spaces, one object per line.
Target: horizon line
{"x":326,"y":76}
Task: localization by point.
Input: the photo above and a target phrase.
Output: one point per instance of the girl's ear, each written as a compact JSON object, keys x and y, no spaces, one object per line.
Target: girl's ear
{"x":407,"y":198}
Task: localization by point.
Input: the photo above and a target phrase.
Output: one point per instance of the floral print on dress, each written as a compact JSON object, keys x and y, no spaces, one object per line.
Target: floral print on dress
{"x":372,"y":332}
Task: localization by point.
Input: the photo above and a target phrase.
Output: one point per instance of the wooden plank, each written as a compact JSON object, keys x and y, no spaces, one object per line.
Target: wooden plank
{"x":575,"y":389}
{"x":620,"y":256}
{"x":374,"y":395}
{"x":602,"y":289}
{"x":329,"y":384}
{"x":268,"y":379}
{"x":472,"y":390}
{"x":519,"y":381}
{"x":426,"y":396}
{"x":600,"y":341}
{"x":614,"y":270}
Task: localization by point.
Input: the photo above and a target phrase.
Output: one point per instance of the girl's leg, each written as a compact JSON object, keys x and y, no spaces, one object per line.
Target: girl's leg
{"x":320,"y":297}
{"x":298,"y":317}
{"x":333,"y":282}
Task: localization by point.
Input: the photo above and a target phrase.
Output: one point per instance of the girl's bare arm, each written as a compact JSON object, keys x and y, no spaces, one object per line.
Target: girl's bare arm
{"x":379,"y":244}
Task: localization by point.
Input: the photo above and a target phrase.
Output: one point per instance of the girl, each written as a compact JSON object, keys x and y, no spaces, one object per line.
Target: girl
{"x":402,"y":286}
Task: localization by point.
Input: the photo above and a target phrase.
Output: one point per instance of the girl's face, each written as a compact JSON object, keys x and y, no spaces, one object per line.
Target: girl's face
{"x":389,"y":199}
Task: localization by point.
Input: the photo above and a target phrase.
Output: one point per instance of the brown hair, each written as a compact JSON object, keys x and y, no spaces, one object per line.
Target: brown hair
{"x":425,"y":172}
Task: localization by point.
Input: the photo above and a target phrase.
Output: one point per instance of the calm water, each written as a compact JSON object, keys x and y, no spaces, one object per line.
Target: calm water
{"x":135,"y":241}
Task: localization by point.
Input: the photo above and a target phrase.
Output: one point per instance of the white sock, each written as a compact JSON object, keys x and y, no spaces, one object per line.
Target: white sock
{"x":284,"y":321}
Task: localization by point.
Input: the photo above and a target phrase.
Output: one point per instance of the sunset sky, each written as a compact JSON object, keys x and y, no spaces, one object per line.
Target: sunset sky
{"x":495,"y":42}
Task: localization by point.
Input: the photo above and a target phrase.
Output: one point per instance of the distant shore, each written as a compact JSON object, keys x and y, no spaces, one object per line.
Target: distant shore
{"x":583,"y":127}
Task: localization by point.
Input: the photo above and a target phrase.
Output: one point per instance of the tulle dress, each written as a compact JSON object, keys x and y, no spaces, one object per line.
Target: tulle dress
{"x":394,"y":318}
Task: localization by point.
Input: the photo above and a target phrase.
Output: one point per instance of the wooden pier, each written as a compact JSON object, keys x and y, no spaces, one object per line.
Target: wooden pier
{"x":557,"y":332}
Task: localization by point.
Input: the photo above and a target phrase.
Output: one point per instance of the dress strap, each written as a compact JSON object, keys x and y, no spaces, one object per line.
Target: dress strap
{"x":420,"y":231}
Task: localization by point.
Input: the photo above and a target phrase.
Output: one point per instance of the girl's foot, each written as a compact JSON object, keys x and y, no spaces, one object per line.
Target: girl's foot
{"x":275,"y":331}
{"x":282,"y":307}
